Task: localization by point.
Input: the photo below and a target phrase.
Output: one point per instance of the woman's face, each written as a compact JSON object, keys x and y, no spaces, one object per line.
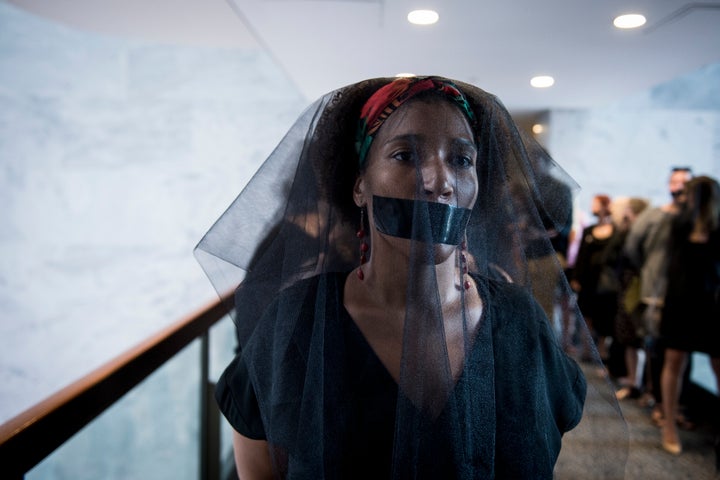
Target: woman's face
{"x":427,"y":137}
{"x":426,"y":151}
{"x":598,"y":208}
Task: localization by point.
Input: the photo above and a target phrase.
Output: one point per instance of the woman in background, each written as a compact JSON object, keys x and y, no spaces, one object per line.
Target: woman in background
{"x":594,"y":280}
{"x":628,"y":335}
{"x":691,"y":315}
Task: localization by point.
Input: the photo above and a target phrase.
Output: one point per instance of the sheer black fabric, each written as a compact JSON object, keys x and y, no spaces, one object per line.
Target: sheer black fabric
{"x":490,"y":399}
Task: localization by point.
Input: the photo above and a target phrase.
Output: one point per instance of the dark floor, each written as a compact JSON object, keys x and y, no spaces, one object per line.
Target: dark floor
{"x":645,"y":457}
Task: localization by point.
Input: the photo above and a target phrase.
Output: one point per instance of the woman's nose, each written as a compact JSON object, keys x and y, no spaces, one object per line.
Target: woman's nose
{"x":437,"y":181}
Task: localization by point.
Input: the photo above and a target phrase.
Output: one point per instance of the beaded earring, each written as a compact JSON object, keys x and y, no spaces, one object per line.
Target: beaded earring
{"x":363,"y":244}
{"x":463,"y":265}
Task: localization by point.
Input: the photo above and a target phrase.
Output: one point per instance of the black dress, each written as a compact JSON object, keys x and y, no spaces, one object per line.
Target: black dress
{"x":518,"y":385}
{"x":598,"y":297}
{"x":691,"y":316}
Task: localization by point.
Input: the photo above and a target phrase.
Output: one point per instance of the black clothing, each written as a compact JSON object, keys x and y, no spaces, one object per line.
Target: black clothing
{"x":691,"y":316}
{"x":321,"y":394}
{"x":515,"y":364}
{"x":597,"y":298}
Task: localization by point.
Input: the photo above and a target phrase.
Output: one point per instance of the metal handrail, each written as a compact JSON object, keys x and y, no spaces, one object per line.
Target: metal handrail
{"x":31,"y":436}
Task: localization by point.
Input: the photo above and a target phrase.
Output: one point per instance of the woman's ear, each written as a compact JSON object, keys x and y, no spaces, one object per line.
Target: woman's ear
{"x":359,"y":191}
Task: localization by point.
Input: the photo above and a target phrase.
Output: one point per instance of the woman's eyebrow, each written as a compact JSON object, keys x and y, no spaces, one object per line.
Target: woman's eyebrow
{"x":465,"y":142}
{"x":406,"y":137}
{"x":418,"y":137}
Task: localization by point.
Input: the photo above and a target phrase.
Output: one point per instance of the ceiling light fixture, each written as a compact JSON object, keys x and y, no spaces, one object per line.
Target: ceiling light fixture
{"x":538,"y":128}
{"x":542,"y":81}
{"x":423,"y":17}
{"x":630,"y":20}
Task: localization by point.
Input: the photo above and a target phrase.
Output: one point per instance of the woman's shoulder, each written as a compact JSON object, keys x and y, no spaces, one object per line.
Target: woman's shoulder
{"x":500,"y":292}
{"x":510,"y":305}
{"x":308,"y":288}
{"x":650,"y":216}
{"x":291,"y":308}
{"x":305,"y":287}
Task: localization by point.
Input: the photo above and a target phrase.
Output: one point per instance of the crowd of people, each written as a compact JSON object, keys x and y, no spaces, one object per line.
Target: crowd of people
{"x":647,"y":281}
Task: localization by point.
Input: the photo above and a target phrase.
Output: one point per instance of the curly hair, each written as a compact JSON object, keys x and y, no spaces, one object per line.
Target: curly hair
{"x":332,"y":148}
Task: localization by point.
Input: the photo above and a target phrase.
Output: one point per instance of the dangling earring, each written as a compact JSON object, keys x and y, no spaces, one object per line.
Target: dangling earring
{"x":363,"y":244}
{"x":463,"y":264}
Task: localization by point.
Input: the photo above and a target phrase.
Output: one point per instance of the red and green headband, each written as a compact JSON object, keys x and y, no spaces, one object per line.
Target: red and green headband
{"x":388,"y":98}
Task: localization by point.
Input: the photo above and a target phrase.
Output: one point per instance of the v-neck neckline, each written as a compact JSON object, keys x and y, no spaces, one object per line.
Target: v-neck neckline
{"x":366,"y":345}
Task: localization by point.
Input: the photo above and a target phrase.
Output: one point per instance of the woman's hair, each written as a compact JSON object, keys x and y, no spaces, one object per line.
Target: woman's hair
{"x":619,"y":207}
{"x":604,"y":200}
{"x":333,"y":148}
{"x":703,"y":202}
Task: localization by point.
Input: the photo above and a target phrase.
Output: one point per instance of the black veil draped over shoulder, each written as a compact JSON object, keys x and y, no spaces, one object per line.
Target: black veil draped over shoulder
{"x":306,"y":379}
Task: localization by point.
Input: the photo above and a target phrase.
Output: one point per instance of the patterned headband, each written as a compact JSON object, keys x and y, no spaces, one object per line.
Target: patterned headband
{"x":389,"y":97}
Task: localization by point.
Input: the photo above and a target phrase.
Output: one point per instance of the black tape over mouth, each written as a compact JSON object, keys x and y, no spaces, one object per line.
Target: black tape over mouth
{"x":394,"y":217}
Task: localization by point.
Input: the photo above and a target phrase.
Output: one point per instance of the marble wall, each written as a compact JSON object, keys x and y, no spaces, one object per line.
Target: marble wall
{"x":628,"y":148}
{"x":115,"y":157}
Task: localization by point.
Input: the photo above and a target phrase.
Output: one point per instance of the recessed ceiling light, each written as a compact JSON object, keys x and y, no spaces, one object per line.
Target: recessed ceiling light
{"x":631,"y":20}
{"x":538,"y":128}
{"x":542,"y":81}
{"x":423,"y":17}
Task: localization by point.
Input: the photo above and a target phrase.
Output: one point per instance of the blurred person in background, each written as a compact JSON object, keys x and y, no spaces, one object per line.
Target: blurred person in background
{"x":691,"y":313}
{"x":627,"y":340}
{"x":646,"y":247}
{"x":556,"y":216}
{"x":595,"y":283}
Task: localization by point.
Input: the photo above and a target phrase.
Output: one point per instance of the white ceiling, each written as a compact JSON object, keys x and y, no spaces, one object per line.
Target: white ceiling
{"x":496,"y":44}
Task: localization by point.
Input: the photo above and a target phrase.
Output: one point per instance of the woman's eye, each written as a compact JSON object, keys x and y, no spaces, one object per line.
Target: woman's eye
{"x":404,"y":156}
{"x":463,"y":161}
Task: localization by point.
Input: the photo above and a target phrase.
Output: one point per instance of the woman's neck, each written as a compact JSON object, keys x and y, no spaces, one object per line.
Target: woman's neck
{"x":604,"y":219}
{"x":699,"y":233}
{"x":387,"y":276}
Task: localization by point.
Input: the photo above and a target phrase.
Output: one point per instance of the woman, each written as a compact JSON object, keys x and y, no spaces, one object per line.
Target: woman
{"x":627,"y":335}
{"x":386,"y":341}
{"x":691,"y":315}
{"x":593,"y":279}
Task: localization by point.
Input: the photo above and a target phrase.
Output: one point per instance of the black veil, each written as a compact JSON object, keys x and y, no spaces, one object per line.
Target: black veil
{"x":285,"y":247}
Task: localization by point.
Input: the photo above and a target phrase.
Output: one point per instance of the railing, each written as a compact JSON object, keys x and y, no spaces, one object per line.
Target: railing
{"x":28,"y":438}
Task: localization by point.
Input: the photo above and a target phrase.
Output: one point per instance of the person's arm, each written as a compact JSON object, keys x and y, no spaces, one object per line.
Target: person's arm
{"x":252,"y":458}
